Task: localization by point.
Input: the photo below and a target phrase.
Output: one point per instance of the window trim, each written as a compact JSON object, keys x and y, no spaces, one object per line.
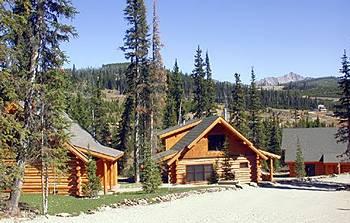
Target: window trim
{"x":216,"y":146}
{"x":202,"y":172}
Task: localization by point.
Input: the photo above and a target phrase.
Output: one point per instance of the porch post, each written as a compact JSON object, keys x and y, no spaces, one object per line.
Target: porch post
{"x":338,"y":167}
{"x":271,"y":169}
{"x":105,"y":176}
{"x":110,"y":174}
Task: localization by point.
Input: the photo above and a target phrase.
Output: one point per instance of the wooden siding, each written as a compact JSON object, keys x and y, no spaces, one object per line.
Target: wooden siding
{"x":243,"y":175}
{"x":71,"y":181}
{"x":170,"y":141}
{"x":322,"y":168}
{"x":200,"y":155}
{"x":68,"y":182}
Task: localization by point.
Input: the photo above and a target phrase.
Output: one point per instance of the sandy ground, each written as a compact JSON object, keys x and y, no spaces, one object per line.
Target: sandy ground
{"x":247,"y":205}
{"x":342,"y":178}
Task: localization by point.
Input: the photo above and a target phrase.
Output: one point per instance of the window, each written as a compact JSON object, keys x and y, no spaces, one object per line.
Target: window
{"x":216,"y":142}
{"x":199,"y":172}
{"x":243,"y":165}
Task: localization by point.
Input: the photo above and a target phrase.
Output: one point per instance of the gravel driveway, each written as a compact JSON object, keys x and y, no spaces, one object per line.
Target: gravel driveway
{"x":247,"y":205}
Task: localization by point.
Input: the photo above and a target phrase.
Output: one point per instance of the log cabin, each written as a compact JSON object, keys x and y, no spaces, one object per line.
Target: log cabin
{"x":322,"y":154}
{"x":80,"y":148}
{"x":194,"y":151}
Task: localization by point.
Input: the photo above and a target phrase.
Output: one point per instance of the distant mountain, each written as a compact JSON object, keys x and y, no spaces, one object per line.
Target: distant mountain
{"x":274,"y":81}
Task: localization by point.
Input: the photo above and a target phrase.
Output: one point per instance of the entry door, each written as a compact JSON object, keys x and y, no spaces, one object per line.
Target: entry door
{"x":310,"y":169}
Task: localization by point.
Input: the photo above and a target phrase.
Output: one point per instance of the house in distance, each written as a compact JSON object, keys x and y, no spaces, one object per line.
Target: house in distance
{"x":195,"y":150}
{"x":322,"y":153}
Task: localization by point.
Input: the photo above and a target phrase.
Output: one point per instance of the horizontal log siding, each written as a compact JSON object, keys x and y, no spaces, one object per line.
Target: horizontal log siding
{"x":243,"y":175}
{"x":59,"y":183}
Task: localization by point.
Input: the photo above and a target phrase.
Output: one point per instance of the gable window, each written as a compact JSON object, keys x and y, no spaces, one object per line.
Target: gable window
{"x":216,"y":142}
{"x":197,"y":173}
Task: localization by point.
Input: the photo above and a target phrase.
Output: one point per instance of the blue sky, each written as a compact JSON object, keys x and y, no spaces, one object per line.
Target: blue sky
{"x":274,"y":36}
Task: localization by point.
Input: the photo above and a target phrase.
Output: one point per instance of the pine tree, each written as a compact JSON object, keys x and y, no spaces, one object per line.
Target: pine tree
{"x":342,"y":108}
{"x":100,"y":126}
{"x":226,"y":166}
{"x":36,"y":39}
{"x":150,"y":173}
{"x":274,"y":143}
{"x":93,"y":186}
{"x":136,"y":44}
{"x":177,"y":93}
{"x":254,"y":106}
{"x":210,"y":88}
{"x":299,"y":161}
{"x":173,"y":109}
{"x":198,"y":76}
{"x":238,"y":117}
{"x":158,"y":79}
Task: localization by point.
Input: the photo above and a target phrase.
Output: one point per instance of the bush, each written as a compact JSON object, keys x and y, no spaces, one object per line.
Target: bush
{"x":299,"y":162}
{"x":93,"y":186}
{"x":151,"y":177}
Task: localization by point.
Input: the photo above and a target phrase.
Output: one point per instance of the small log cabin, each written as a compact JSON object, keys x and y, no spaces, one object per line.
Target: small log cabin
{"x":80,"y":148}
{"x":322,"y":154}
{"x":195,"y":150}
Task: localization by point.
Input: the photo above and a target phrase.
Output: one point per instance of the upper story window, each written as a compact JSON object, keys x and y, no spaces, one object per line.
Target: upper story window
{"x":216,"y":142}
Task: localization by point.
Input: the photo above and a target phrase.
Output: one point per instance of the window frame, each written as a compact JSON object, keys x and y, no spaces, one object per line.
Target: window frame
{"x":199,"y":172}
{"x":219,"y":144}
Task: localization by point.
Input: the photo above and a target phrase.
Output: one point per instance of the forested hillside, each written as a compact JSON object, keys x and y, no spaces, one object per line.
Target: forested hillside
{"x":112,"y":76}
{"x":316,"y":87}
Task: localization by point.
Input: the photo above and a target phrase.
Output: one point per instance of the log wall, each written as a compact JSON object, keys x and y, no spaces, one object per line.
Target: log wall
{"x":200,"y":154}
{"x":69,"y":182}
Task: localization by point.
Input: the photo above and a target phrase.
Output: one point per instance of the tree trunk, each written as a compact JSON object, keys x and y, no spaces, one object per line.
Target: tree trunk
{"x":137,"y":144}
{"x":46,"y":192}
{"x":179,"y":120}
{"x":152,"y":130}
{"x":15,"y":194}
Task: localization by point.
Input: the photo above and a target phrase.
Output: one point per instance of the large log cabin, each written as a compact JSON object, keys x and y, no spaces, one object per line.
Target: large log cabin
{"x":194,"y":150}
{"x":80,"y":148}
{"x":322,"y":154}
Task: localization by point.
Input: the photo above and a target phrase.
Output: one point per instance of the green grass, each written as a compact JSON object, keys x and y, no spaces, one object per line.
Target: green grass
{"x":72,"y":205}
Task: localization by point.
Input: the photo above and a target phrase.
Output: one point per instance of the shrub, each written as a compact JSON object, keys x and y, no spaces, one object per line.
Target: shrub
{"x":93,"y":186}
{"x":151,"y":177}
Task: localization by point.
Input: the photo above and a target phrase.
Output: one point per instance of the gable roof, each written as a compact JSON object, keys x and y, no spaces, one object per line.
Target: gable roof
{"x":177,"y":128}
{"x":83,"y":141}
{"x":317,"y":144}
{"x":80,"y":142}
{"x":198,"y":132}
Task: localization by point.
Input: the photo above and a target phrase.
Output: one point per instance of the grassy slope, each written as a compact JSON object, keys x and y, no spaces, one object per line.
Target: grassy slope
{"x":72,"y":205}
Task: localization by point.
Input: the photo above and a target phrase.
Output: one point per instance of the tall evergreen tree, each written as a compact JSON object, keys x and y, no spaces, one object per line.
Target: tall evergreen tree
{"x":209,"y":96}
{"x":136,"y":45}
{"x":343,"y":106}
{"x":237,"y":108}
{"x":254,"y":106}
{"x":177,"y":93}
{"x":274,"y":140}
{"x":158,"y":79}
{"x":173,"y":109}
{"x":198,"y":76}
{"x":100,"y":126}
{"x":36,"y":39}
